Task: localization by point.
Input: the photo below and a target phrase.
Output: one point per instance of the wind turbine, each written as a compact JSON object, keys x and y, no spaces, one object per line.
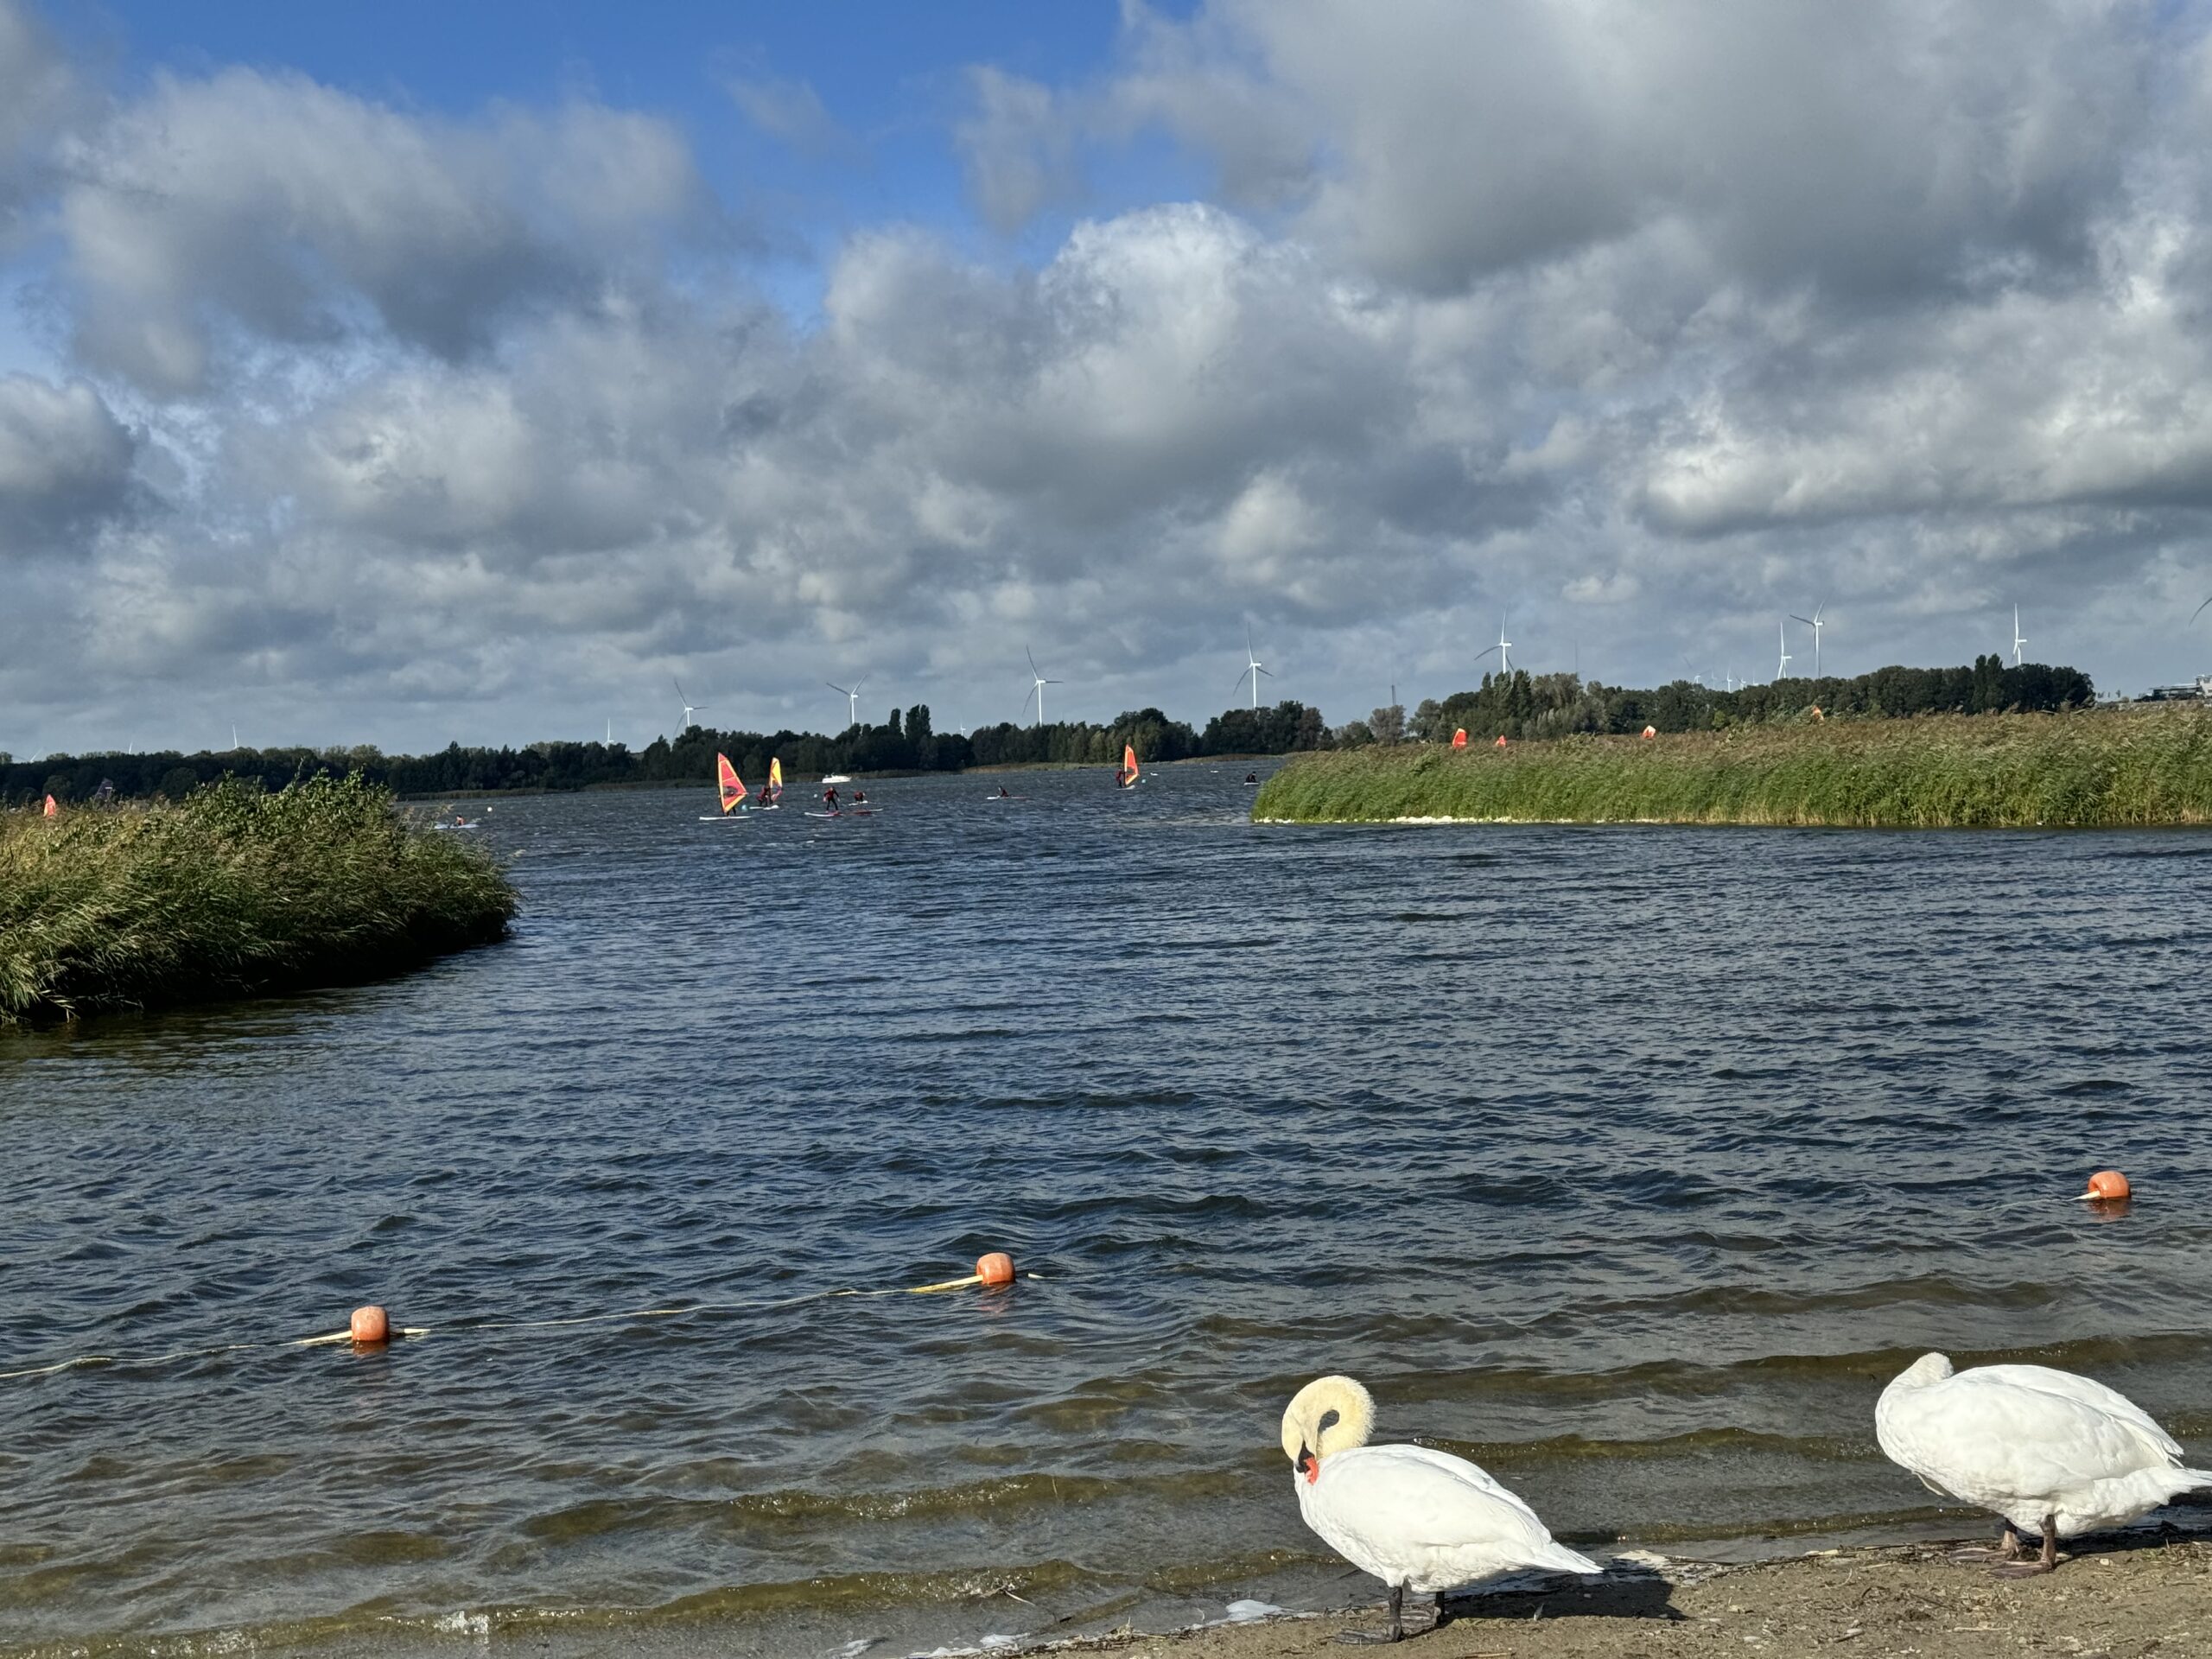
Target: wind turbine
{"x":852,"y":698}
{"x":689,"y":707}
{"x":1037,"y":691}
{"x":2017,"y":641}
{"x":1814,"y":623}
{"x":1503,"y":648}
{"x":1251,"y":668}
{"x":1781,"y":633}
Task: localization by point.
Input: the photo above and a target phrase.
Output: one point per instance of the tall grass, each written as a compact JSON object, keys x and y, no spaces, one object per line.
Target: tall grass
{"x":230,"y":893}
{"x":2099,"y":768}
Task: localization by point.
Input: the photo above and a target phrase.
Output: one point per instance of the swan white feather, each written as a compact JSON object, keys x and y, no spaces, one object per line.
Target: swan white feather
{"x":1417,"y":1518}
{"x":2029,"y":1443}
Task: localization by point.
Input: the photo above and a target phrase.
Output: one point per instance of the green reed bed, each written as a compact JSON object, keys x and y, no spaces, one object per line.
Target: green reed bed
{"x":2100,"y":768}
{"x":231,"y":892}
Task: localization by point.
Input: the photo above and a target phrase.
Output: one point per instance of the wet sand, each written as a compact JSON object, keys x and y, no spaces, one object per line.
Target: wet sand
{"x":2124,"y":1597}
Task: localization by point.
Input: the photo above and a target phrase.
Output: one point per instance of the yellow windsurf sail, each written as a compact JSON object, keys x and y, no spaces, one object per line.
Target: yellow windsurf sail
{"x":775,"y":777}
{"x":732,"y":785}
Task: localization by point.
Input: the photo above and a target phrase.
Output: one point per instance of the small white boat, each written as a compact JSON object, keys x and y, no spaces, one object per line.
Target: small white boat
{"x":837,"y":778}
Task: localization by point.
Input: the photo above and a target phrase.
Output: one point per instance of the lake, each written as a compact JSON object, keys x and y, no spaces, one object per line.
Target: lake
{"x":1630,"y":1162}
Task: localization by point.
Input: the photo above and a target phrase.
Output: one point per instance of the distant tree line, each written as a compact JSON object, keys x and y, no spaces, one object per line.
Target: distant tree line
{"x":1517,"y":706}
{"x":906,"y":741}
{"x":1522,"y":705}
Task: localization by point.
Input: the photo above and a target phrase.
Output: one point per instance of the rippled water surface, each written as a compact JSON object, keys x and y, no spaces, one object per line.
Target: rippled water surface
{"x":1629,"y":1161}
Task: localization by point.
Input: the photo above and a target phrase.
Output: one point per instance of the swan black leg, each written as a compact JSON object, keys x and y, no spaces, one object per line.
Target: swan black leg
{"x":2045,"y":1562}
{"x":1397,"y":1631}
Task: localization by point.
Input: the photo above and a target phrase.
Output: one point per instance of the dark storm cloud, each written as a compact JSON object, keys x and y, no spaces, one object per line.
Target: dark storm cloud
{"x":64,"y":466}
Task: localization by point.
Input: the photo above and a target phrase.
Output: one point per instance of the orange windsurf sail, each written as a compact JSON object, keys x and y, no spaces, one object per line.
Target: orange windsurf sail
{"x":732,"y":785}
{"x":1128,"y":763}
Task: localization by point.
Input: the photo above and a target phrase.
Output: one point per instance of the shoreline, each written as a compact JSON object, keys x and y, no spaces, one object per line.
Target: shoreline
{"x":1419,"y":821}
{"x":2125,"y":1592}
{"x":2145,"y":1590}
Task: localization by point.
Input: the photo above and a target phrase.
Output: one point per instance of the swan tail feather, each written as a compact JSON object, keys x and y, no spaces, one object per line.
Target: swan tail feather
{"x":1558,"y":1558}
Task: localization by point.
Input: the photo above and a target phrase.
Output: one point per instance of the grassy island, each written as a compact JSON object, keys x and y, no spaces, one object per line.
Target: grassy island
{"x":2098,"y":768}
{"x":231,"y":891}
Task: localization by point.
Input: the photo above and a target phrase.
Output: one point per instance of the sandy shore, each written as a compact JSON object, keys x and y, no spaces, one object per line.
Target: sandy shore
{"x":2124,"y":1597}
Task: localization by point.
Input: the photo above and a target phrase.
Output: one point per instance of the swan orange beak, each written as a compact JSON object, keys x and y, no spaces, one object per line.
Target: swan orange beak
{"x":1309,"y":1465}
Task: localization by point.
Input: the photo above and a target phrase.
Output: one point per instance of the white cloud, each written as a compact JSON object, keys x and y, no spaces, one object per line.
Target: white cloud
{"x":303,"y":215}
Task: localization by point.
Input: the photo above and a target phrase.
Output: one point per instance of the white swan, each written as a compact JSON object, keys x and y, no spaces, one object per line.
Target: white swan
{"x":2051,"y":1452}
{"x":1415,"y":1518}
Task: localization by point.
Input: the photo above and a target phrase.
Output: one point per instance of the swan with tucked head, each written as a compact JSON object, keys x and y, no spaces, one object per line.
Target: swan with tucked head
{"x":1417,"y":1518}
{"x":2051,"y":1452}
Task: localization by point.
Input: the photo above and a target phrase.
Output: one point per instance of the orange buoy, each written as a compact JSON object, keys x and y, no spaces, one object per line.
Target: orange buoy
{"x":371,"y":1326}
{"x":1650,"y":732}
{"x":1459,"y":738}
{"x":996,"y":1269}
{"x":2107,"y":1185}
{"x":1501,"y":739}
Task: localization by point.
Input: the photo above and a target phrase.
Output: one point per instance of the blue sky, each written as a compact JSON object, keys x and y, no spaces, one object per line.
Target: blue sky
{"x":414,"y":373}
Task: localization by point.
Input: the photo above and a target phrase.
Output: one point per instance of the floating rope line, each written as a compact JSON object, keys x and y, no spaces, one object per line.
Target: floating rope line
{"x":992,"y":1270}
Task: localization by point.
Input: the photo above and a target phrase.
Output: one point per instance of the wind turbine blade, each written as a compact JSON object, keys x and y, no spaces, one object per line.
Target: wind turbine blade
{"x":1056,"y":682}
{"x":679,"y":688}
{"x":1269,"y":672}
{"x":1241,"y":672}
{"x":1807,"y":621}
{"x":1033,"y":663}
{"x":2200,"y":610}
